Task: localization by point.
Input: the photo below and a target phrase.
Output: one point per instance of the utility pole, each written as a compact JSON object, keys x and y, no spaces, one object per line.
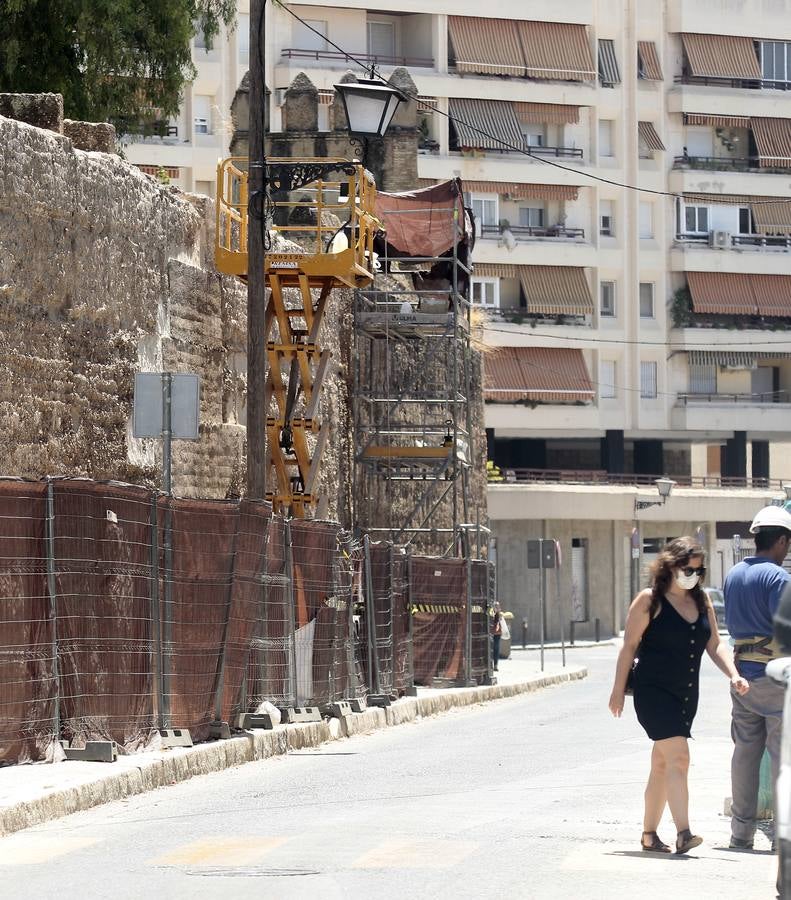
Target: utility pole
{"x":256,"y":277}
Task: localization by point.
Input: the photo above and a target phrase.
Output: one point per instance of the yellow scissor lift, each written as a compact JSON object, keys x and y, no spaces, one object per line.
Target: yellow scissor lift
{"x":334,"y":257}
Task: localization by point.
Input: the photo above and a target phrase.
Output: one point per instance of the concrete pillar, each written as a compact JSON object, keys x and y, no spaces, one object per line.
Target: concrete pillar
{"x":734,"y":458}
{"x":490,"y":443}
{"x":760,"y":454}
{"x":612,"y":452}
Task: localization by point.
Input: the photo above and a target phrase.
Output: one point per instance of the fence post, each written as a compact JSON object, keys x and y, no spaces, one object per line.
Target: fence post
{"x":220,"y":676}
{"x":156,"y":631}
{"x":411,"y":690}
{"x":391,"y":607}
{"x":292,"y":618}
{"x":167,"y":612}
{"x":468,"y":624}
{"x":53,"y":604}
{"x":370,"y":614}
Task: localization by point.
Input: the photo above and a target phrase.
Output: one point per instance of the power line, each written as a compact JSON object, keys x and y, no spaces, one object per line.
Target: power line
{"x":505,"y":144}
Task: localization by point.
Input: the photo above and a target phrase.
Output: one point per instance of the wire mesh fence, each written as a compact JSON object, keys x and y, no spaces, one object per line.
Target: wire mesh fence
{"x":124,"y":611}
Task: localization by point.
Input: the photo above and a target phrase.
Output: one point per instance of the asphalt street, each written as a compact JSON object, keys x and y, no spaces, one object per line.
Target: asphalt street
{"x":538,"y":796}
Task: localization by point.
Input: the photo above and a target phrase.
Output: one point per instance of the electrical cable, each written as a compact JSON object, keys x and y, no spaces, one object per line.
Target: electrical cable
{"x":505,"y":144}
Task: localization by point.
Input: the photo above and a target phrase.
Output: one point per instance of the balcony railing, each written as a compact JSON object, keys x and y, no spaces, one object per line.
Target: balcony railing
{"x":756,"y":241}
{"x":599,"y":476}
{"x":727,"y":164}
{"x":530,"y":231}
{"x":518,"y":315}
{"x":749,"y":83}
{"x":136,"y":131}
{"x":763,"y":397}
{"x":371,"y":58}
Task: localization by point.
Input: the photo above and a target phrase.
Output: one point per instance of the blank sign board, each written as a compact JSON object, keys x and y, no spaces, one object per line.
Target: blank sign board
{"x":184,"y":405}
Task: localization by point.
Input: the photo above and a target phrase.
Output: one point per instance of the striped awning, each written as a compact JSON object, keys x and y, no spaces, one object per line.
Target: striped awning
{"x":721,"y":56}
{"x":772,"y":294}
{"x":487,"y":124}
{"x":649,"y":137}
{"x":486,"y":46}
{"x":523,"y":191}
{"x":556,"y":290}
{"x":773,"y":139}
{"x":771,"y":216}
{"x":731,"y":359}
{"x":556,"y":50}
{"x":495,"y":270}
{"x":716,"y":121}
{"x":728,"y":199}
{"x":609,"y":73}
{"x":537,"y":374}
{"x":722,"y":292}
{"x":648,"y":61}
{"x":551,"y":113}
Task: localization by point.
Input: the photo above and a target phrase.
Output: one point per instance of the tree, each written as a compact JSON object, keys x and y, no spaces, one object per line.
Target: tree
{"x":113,"y":60}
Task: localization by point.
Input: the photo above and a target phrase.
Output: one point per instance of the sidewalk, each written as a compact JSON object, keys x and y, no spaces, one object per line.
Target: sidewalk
{"x":30,"y":794}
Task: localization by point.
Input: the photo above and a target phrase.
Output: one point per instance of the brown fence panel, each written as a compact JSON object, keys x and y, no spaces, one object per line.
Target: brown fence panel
{"x":103,"y":599}
{"x":27,"y":683}
{"x":482,"y":598}
{"x":194,"y":616}
{"x":271,"y":673}
{"x":247,"y":613}
{"x":403,"y":674}
{"x":379,"y":584}
{"x":438,"y":593}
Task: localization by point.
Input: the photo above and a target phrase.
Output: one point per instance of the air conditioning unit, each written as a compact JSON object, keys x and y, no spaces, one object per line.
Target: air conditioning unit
{"x":720,"y":239}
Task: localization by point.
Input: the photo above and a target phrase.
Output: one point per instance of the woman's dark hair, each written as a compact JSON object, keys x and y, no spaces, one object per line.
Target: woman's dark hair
{"x":675,"y":554}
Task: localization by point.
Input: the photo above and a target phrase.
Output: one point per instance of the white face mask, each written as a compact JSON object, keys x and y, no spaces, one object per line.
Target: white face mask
{"x":686,"y":581}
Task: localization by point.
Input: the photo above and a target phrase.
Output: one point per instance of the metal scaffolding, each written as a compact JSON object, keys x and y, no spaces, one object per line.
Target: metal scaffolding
{"x":411,"y":394}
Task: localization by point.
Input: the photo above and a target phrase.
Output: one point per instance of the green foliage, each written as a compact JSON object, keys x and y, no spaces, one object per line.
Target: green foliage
{"x":681,"y":309}
{"x":113,"y":60}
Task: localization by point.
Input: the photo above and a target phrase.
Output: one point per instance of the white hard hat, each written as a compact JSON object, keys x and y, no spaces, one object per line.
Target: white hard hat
{"x":771,"y":517}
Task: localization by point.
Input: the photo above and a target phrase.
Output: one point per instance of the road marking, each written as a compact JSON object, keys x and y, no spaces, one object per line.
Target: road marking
{"x":226,"y":851}
{"x":31,"y":849}
{"x":403,"y":853}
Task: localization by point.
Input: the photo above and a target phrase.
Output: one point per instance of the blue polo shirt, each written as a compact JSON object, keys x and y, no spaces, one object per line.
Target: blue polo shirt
{"x":753,"y":589}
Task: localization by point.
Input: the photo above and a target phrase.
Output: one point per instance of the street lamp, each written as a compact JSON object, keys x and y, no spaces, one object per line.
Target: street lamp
{"x":370,"y":106}
{"x":665,"y":488}
{"x":787,"y":488}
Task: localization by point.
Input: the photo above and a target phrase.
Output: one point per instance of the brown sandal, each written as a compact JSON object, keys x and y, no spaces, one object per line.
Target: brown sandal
{"x":655,"y":845}
{"x":686,"y":840}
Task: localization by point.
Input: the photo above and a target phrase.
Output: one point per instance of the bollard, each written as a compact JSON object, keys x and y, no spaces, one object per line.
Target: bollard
{"x":597,"y":629}
{"x":571,"y":633}
{"x":524,"y":634}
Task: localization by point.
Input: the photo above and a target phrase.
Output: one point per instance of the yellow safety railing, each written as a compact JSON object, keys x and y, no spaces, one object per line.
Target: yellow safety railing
{"x":328,"y":251}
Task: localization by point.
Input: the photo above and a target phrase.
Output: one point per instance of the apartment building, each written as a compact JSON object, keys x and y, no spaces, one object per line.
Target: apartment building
{"x":632,"y":333}
{"x":187,"y":146}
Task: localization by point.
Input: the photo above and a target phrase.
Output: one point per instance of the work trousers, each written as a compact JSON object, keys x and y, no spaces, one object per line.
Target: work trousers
{"x":756,"y":723}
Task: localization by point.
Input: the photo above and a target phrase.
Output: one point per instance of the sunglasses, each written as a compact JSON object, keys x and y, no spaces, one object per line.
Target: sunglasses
{"x":700,"y":571}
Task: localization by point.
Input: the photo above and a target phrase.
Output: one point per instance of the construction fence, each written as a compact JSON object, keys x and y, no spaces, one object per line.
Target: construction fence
{"x":124,"y":611}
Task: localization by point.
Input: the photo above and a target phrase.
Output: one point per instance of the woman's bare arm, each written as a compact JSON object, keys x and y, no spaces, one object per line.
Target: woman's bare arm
{"x":637,"y":621}
{"x":721,"y":654}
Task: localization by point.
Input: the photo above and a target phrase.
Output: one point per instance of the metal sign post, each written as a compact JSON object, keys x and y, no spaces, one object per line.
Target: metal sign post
{"x":558,"y":560}
{"x":541,"y":556}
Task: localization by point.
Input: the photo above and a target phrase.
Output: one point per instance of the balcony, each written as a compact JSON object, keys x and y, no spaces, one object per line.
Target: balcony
{"x":599,"y":476}
{"x":519,"y":315}
{"x":759,"y":242}
{"x":159,"y":132}
{"x":558,"y":232}
{"x":336,"y":60}
{"x":752,"y":399}
{"x":728,"y":164}
{"x":575,"y":153}
{"x":743,"y":83}
{"x":725,"y":413}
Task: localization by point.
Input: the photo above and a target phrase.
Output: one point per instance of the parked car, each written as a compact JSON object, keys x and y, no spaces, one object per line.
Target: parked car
{"x":718,"y":602}
{"x":780,"y":671}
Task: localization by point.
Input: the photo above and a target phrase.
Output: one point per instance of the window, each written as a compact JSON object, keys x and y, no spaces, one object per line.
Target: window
{"x":776,"y":60}
{"x":485,"y":210}
{"x":531,"y":217}
{"x":243,"y":36}
{"x":696,"y":220}
{"x":648,"y":380}
{"x":381,"y":40}
{"x":646,"y":220}
{"x":305,"y":37}
{"x":646,"y":300}
{"x":606,"y":218}
{"x":201,"y":113}
{"x":607,"y":298}
{"x":745,"y":221}
{"x":703,"y":378}
{"x":605,"y":137}
{"x":486,"y":292}
{"x":607,"y":389}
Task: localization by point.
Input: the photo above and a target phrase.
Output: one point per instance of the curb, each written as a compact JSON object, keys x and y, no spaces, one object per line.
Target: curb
{"x":181,"y":765}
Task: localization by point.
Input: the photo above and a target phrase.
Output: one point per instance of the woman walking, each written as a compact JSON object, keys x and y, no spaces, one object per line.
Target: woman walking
{"x":668,"y":627}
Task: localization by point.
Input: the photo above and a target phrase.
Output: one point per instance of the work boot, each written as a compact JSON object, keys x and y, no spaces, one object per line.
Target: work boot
{"x":740,"y":844}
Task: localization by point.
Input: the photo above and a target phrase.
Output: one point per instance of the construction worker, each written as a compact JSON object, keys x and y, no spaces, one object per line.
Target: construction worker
{"x":753,"y":589}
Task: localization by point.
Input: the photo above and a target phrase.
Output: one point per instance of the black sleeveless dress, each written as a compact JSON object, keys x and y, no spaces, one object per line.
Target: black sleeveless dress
{"x":667,"y":673}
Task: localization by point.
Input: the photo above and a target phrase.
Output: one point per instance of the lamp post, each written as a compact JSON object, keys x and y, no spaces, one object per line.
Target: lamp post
{"x":369,"y":105}
{"x":664,"y":487}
